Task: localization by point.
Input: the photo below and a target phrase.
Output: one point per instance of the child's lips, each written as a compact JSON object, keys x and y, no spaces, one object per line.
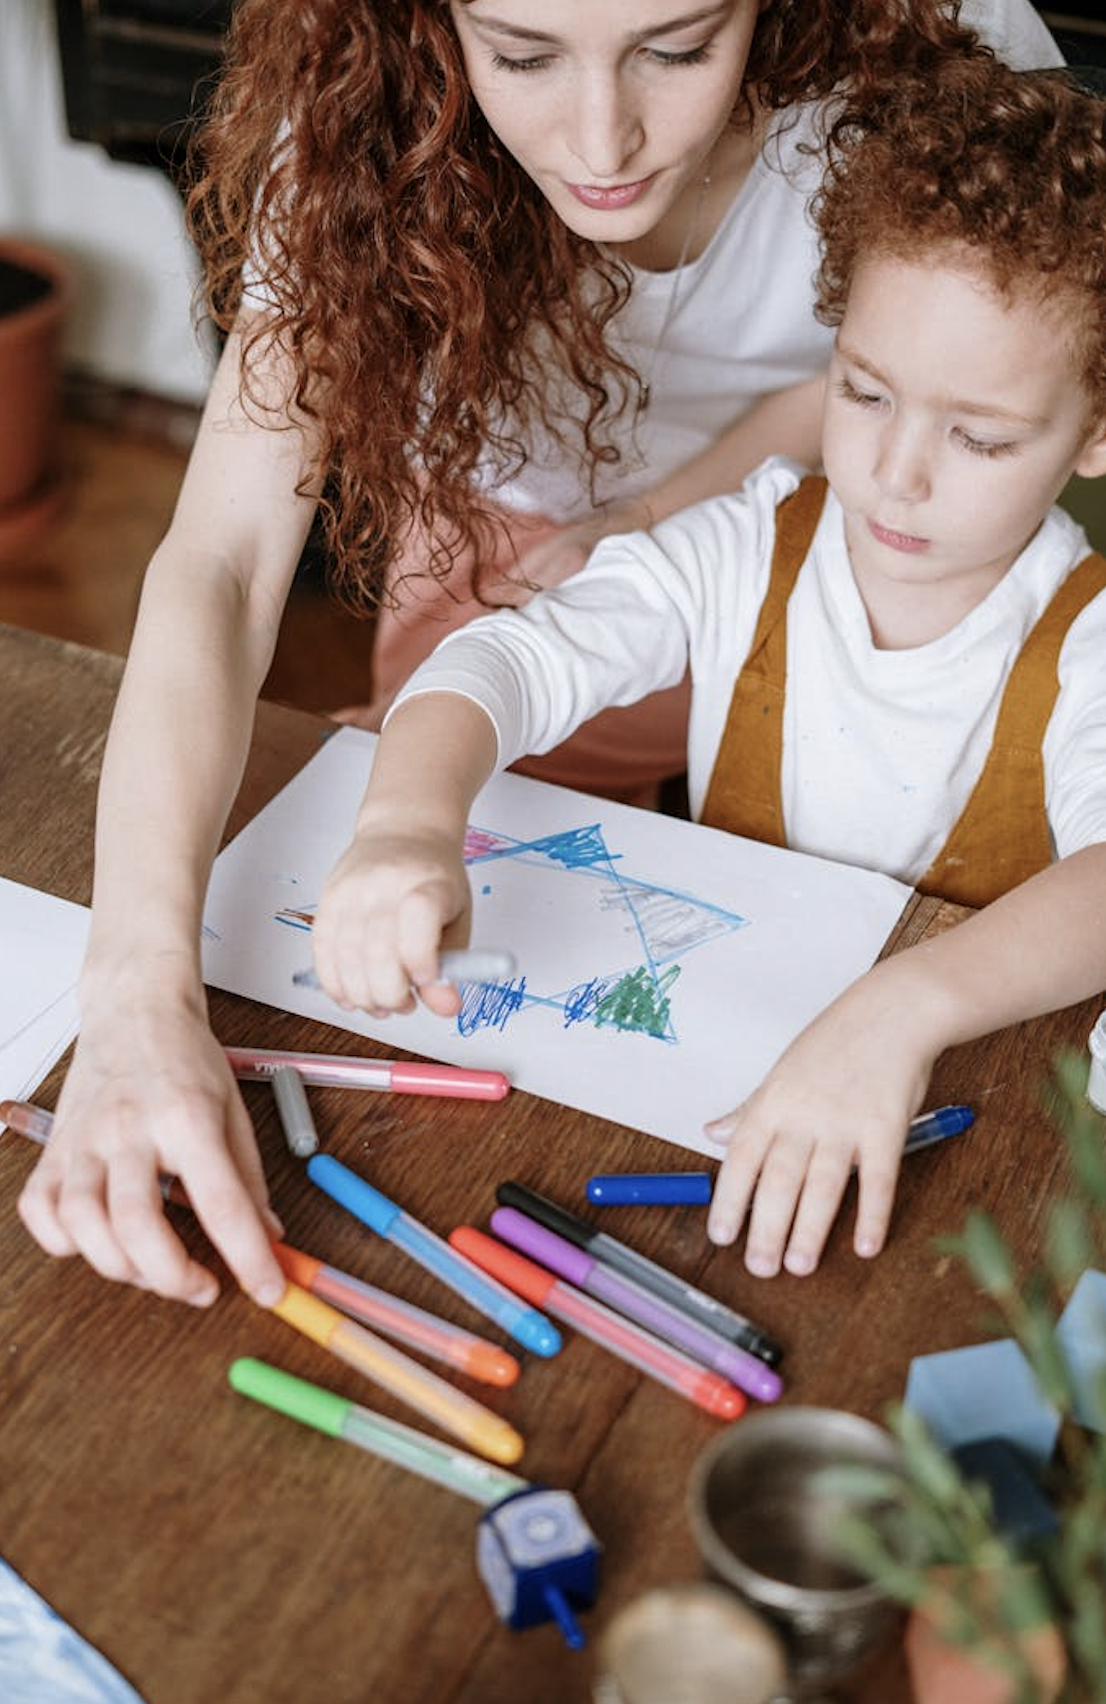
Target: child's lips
{"x":895,"y":540}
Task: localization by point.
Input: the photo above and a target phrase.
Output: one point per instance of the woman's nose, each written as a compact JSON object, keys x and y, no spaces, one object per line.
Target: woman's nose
{"x":606,"y":128}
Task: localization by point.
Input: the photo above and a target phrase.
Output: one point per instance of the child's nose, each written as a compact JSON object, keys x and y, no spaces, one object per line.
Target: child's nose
{"x":902,"y":466}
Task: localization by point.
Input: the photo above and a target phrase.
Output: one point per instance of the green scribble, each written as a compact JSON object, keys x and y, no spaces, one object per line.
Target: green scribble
{"x":639,"y":1001}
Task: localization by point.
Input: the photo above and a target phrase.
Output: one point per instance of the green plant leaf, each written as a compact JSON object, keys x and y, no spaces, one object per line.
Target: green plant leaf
{"x":1069,"y":1244}
{"x":982,"y":1247}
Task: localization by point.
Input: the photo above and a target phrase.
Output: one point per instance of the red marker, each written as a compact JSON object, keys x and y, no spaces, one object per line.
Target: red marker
{"x":642,"y":1350}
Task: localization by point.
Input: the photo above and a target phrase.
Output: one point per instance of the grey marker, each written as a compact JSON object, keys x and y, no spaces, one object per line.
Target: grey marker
{"x":457,"y":964}
{"x":295,"y":1114}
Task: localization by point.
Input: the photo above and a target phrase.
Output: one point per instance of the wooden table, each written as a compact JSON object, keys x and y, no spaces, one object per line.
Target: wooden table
{"x":217,"y":1552}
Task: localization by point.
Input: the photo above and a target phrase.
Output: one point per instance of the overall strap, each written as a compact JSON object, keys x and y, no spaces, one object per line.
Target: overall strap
{"x":744,"y":792}
{"x":1001,"y":837}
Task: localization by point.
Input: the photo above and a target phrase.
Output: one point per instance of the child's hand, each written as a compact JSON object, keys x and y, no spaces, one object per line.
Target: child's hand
{"x":841,"y":1095}
{"x":150,"y":1090}
{"x":392,"y":900}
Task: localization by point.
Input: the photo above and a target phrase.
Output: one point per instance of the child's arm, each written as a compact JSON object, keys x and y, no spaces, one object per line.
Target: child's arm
{"x":844,"y":1092}
{"x":149,"y":1088}
{"x":400,"y":890}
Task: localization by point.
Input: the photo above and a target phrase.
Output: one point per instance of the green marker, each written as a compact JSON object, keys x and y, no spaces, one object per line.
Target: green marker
{"x":338,"y":1417}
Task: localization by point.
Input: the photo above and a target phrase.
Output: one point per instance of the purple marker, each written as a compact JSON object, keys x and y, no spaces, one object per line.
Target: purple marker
{"x":746,"y":1371}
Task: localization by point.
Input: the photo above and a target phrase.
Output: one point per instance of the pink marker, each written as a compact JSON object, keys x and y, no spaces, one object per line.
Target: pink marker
{"x":36,"y":1123}
{"x":350,"y":1071}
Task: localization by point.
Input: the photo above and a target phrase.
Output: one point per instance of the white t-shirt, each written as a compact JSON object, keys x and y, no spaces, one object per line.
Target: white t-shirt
{"x":881,"y":748}
{"x":738,"y":321}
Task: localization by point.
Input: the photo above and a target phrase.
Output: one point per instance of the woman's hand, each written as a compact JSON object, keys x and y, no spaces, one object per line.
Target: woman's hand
{"x":150,"y":1091}
{"x":556,"y":558}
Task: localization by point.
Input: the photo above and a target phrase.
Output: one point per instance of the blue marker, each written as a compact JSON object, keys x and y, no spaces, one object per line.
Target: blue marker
{"x":665,"y":1189}
{"x":525,"y":1324}
{"x":930,"y":1127}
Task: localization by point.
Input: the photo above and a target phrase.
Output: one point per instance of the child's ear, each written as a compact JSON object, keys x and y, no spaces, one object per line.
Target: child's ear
{"x":1092,"y":457}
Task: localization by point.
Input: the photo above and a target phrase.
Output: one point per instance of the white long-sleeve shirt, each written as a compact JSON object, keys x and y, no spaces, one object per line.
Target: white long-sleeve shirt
{"x":881,"y":747}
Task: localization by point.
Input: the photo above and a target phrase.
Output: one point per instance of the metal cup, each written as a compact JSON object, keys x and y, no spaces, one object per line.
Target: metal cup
{"x":764,"y":1526}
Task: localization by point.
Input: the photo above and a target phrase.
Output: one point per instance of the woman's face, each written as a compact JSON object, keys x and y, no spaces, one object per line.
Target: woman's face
{"x":611,"y":106}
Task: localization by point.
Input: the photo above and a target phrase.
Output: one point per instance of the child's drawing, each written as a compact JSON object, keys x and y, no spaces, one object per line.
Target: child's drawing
{"x":661,"y":967}
{"x":618,"y":965}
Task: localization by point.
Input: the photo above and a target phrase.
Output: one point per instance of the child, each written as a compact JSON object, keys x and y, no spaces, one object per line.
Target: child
{"x":906,"y":670}
{"x":473,"y":235}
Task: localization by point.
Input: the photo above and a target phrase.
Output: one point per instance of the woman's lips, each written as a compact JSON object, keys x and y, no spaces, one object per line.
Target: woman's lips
{"x":617,"y":195}
{"x":897,"y":540}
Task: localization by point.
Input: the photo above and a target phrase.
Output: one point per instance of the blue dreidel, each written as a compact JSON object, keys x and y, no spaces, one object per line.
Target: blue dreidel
{"x":539,"y":1560}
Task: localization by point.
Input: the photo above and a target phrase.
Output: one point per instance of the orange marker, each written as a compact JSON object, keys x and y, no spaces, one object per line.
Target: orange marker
{"x":409,"y":1325}
{"x":394,"y":1371}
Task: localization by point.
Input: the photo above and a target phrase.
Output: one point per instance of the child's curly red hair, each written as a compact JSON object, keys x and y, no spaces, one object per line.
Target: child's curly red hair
{"x":1003,"y":171}
{"x":409,"y":266}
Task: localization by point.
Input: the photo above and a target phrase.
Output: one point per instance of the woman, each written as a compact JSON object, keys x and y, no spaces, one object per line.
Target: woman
{"x":435,"y":268}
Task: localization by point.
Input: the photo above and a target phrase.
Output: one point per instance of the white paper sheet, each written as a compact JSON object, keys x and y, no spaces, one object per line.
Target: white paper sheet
{"x":661,"y":967}
{"x":42,"y":943}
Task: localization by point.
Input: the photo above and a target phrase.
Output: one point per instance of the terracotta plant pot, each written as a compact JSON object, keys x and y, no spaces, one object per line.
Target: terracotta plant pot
{"x":34,"y":295}
{"x":945,"y":1673}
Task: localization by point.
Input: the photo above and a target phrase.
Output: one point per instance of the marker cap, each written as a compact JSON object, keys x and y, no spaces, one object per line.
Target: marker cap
{"x":666,"y":1189}
{"x":514,"y":1270}
{"x":352,"y":1192}
{"x":323,"y":1409}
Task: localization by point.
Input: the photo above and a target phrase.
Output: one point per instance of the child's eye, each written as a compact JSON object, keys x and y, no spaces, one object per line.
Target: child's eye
{"x":864,"y":399}
{"x":983,"y":446}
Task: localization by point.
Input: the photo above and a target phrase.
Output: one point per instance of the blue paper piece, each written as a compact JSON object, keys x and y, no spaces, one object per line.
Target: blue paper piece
{"x":1082,"y":1334}
{"x":1022,"y":1512}
{"x":985,"y":1391}
{"x":42,"y":1659}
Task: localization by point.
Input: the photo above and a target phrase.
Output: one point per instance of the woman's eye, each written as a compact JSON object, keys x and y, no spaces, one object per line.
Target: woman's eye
{"x":689,"y":56}
{"x":537,"y":62}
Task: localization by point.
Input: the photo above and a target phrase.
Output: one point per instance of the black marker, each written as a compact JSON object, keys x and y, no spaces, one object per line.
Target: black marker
{"x":665,"y":1285}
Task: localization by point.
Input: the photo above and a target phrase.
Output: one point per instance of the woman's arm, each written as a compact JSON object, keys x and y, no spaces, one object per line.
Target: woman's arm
{"x":846,"y":1089}
{"x":148,"y":1087}
{"x":787,"y":423}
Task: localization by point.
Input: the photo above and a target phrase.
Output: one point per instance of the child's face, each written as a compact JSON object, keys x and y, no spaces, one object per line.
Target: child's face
{"x":953,"y":421}
{"x":611,"y":106}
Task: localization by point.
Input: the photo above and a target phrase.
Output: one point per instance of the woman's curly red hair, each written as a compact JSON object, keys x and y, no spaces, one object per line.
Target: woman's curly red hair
{"x":1002,"y":171}
{"x":408,"y":267}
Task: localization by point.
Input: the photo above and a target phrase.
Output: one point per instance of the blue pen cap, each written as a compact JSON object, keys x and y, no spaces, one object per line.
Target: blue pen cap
{"x":663,"y":1189}
{"x":353,"y":1193}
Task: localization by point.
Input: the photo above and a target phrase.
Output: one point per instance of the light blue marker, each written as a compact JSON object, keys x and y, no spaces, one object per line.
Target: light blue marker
{"x":525,"y":1324}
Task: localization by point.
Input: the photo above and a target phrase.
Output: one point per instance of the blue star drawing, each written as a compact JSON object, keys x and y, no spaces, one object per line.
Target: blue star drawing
{"x":662,"y":924}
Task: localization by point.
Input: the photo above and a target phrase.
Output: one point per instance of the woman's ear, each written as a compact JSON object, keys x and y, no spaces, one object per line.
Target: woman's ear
{"x":1092,"y":457}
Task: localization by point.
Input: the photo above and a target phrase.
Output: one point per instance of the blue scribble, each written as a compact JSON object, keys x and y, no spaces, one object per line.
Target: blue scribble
{"x":582,"y":1001}
{"x":489,"y":1005}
